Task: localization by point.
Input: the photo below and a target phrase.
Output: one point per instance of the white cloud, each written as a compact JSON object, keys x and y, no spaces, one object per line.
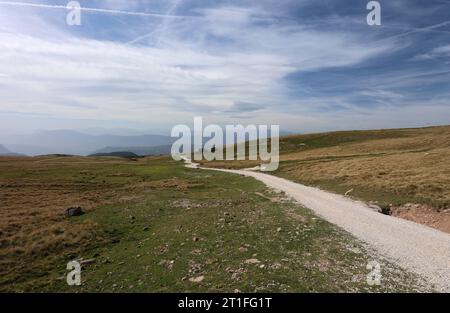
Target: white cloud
{"x":439,"y":52}
{"x":120,"y":4}
{"x":184,"y":73}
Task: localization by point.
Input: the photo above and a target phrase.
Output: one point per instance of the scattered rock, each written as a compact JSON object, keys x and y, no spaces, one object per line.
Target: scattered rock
{"x":163,"y":249}
{"x":237,"y":274}
{"x":146,"y":228}
{"x":252,"y":261}
{"x":195,"y":267}
{"x":275,"y":266}
{"x":74,"y":211}
{"x":195,"y":239}
{"x":166,"y":263}
{"x":197,"y":279}
{"x":243,"y":249}
{"x":278,"y":229}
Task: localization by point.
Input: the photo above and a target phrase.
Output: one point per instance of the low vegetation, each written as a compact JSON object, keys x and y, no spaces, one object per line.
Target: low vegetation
{"x":405,"y":171}
{"x":152,"y":225}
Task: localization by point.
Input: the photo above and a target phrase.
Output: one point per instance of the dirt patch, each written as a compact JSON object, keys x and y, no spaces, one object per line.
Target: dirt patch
{"x":424,"y":214}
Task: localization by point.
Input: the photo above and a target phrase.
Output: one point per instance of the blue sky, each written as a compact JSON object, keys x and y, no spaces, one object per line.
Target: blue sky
{"x":307,"y":65}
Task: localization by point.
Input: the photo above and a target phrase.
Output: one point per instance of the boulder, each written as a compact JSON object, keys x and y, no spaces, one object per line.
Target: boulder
{"x":74,"y":211}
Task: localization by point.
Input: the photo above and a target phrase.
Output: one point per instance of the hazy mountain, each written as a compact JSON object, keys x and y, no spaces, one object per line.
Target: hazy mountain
{"x":82,"y":143}
{"x":5,"y":152}
{"x":141,"y":151}
{"x":122,"y":154}
{"x":74,"y":142}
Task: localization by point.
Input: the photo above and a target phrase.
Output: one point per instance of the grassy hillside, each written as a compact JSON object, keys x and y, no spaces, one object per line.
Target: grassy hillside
{"x":152,"y":225}
{"x":390,"y":167}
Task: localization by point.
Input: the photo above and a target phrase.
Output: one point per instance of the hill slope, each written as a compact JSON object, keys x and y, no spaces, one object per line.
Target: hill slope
{"x":122,"y":154}
{"x":141,"y":151}
{"x":405,"y":171}
{"x":152,"y":225}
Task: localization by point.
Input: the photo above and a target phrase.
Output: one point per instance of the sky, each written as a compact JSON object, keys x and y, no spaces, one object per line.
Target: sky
{"x":306,"y":65}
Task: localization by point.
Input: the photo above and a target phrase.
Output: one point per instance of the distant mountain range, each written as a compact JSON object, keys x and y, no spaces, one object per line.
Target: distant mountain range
{"x":122,"y":154}
{"x":78,"y":143}
{"x":6,"y":152}
{"x":140,"y":151}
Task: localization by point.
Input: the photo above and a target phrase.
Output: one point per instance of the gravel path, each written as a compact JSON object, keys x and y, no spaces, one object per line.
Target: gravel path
{"x":417,"y":248}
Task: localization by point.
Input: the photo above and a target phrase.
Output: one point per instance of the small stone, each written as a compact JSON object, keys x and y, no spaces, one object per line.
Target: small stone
{"x":278,"y":229}
{"x":275,"y":266}
{"x":252,"y":261}
{"x":243,"y":249}
{"x":197,"y":279}
{"x":74,"y":211}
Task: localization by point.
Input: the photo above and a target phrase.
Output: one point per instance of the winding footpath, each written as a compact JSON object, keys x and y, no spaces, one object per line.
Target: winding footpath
{"x":417,"y":248}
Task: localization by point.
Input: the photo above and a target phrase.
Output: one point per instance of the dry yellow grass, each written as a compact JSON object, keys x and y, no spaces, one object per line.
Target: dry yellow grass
{"x":419,"y":175}
{"x":386,"y":166}
{"x":34,"y":193}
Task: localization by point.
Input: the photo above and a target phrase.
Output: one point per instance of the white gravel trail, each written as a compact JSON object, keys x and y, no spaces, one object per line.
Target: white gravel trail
{"x":417,"y":248}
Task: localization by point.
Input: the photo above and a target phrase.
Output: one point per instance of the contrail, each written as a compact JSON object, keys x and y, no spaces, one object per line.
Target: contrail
{"x":428,"y":28}
{"x":431,"y":28}
{"x":160,"y":28}
{"x":95,"y":10}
